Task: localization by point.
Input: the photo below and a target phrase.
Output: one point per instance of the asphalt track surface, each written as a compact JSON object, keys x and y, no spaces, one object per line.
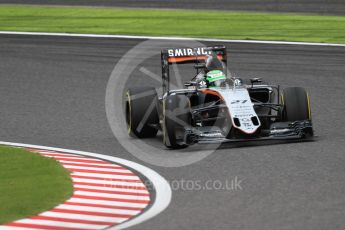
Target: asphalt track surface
{"x":52,"y":92}
{"x":306,"y":6}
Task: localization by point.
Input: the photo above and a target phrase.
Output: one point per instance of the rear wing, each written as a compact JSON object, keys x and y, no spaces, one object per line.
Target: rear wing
{"x":188,"y":55}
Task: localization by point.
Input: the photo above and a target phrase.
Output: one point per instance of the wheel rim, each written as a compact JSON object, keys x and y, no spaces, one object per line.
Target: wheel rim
{"x":128,"y":113}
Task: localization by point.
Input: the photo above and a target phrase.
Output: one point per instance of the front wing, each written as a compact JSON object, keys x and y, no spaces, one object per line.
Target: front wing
{"x":282,"y":131}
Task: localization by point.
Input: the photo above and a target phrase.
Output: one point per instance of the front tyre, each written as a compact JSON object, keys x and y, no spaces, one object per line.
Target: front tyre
{"x":176,"y":117}
{"x":296,"y":104}
{"x":141,"y":112}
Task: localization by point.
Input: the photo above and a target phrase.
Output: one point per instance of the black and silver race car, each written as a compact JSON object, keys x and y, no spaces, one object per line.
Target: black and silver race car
{"x":214,"y":107}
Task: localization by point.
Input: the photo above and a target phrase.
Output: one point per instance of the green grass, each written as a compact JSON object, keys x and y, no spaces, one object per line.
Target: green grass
{"x":215,"y":24}
{"x":30,"y":184}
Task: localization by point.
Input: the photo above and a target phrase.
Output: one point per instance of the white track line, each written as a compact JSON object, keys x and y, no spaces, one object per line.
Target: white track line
{"x":170,"y":38}
{"x":95,"y":202}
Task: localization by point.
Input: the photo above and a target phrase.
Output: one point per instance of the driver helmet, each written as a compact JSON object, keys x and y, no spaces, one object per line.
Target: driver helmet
{"x":215,"y":78}
{"x":213,"y":63}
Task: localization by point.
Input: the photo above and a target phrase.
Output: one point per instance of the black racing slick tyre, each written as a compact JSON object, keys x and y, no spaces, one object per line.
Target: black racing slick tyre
{"x":296,"y":104}
{"x":176,"y":117}
{"x":141,"y":112}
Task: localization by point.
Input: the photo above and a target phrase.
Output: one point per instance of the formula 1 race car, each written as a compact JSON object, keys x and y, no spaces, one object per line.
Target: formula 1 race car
{"x":214,"y":107}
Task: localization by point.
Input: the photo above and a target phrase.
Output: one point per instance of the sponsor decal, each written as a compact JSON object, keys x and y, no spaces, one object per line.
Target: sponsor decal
{"x":215,"y":75}
{"x":214,"y":134}
{"x":180,"y":52}
{"x":238,"y":101}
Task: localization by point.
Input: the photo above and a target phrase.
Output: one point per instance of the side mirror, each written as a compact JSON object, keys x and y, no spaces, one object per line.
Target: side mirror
{"x":190,"y":83}
{"x":255,"y":80}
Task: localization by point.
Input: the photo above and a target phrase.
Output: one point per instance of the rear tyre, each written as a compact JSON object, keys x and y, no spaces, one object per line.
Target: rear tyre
{"x":176,"y":116}
{"x":141,"y":112}
{"x":296,"y":104}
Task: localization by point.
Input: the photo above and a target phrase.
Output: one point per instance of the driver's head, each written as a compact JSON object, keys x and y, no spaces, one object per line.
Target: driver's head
{"x":213,"y":63}
{"x":215,"y":78}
